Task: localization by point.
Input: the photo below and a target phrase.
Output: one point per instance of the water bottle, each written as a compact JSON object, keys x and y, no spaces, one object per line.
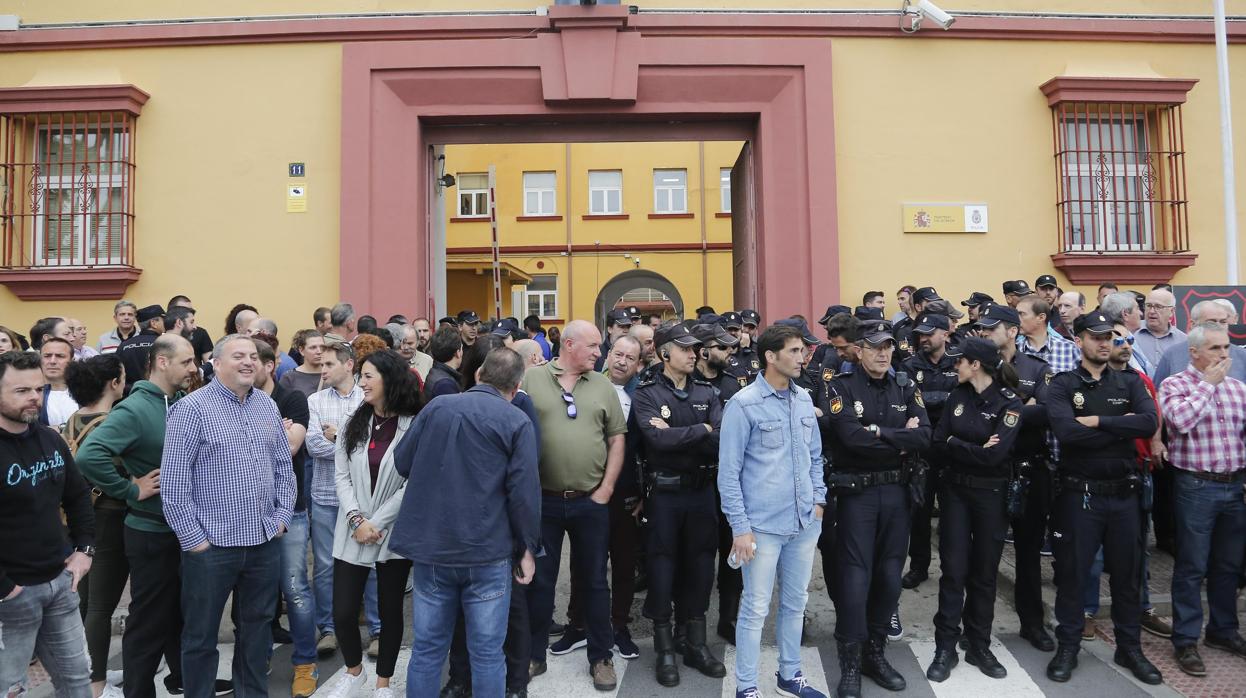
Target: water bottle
{"x":734,"y":562}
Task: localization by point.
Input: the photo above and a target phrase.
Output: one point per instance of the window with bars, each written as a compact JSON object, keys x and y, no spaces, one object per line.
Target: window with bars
{"x":1121,"y":175}
{"x":68,"y":185}
{"x":473,"y":195}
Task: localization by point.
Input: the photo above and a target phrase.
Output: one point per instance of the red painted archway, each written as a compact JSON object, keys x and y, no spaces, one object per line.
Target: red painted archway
{"x":588,"y":77}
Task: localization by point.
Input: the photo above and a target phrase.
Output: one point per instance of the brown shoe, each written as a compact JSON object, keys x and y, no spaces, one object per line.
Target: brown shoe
{"x":1189,"y":661}
{"x":304,"y":683}
{"x":1155,"y":625}
{"x":603,"y":675}
{"x":1088,"y":630}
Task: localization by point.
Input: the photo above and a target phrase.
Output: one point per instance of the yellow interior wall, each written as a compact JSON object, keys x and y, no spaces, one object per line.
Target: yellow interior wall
{"x":213,"y":146}
{"x":965,"y":121}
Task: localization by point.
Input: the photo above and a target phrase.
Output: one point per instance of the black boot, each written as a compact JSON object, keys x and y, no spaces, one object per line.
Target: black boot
{"x":728,"y":610}
{"x":849,"y":670}
{"x":664,"y":647}
{"x":1061,"y":667}
{"x":945,"y":659}
{"x":697,"y":655}
{"x":874,"y":665}
{"x":681,"y":637}
{"x":985,"y":660}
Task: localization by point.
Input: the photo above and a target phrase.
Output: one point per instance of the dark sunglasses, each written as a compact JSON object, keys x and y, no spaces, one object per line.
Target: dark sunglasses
{"x":570,"y":400}
{"x":1121,"y":341}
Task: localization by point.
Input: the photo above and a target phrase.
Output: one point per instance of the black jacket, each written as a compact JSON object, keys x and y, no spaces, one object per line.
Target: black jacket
{"x":1034,"y":379}
{"x":936,"y":380}
{"x":40,"y":479}
{"x":1125,"y":410}
{"x":684,"y":445}
{"x":970,"y":418}
{"x":858,"y":401}
{"x":436,"y":384}
{"x":133,"y":353}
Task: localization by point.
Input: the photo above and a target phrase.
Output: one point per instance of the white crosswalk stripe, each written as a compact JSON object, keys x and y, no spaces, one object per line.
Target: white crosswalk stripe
{"x":568,"y":676}
{"x":810,"y":666}
{"x":966,"y":680}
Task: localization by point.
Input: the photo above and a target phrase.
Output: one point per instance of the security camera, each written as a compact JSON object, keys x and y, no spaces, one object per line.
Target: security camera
{"x":922,"y":10}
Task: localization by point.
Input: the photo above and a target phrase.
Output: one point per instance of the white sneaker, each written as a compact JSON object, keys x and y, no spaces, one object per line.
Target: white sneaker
{"x":115,"y":677}
{"x":111,"y":691}
{"x":386,"y":692}
{"x":346,"y":685}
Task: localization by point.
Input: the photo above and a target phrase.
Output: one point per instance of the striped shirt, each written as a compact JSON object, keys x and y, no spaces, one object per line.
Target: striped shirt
{"x":327,"y":408}
{"x":1206,"y":423}
{"x":1061,"y":355}
{"x":225,"y":474}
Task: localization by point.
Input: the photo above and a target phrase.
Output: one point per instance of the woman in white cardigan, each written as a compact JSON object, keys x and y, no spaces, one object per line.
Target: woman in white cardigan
{"x":369,"y":492}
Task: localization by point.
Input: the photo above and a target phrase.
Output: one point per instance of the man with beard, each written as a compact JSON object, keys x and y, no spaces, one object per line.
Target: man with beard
{"x":714,"y":361}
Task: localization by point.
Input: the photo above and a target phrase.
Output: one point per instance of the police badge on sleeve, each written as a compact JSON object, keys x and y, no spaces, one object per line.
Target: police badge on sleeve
{"x":1011,"y":418}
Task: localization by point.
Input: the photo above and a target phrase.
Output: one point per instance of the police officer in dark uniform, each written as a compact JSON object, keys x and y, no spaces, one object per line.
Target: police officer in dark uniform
{"x":905,"y":347}
{"x":750,"y":320}
{"x":819,"y":354}
{"x":679,"y":418}
{"x":933,"y":369}
{"x":1096,"y":414}
{"x":974,"y":305}
{"x":877,"y":423}
{"x":1032,"y":460}
{"x":714,"y":361}
{"x":618,"y":321}
{"x":974,"y":439}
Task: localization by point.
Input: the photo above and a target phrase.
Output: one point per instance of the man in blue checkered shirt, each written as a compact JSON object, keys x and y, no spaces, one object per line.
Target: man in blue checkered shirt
{"x":1034,"y":339}
{"x":228,"y":487}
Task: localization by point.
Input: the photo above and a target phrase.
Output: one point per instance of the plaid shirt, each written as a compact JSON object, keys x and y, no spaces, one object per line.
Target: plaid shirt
{"x":327,"y":407}
{"x":1205,"y":422}
{"x":1061,"y":355}
{"x":225,"y":475}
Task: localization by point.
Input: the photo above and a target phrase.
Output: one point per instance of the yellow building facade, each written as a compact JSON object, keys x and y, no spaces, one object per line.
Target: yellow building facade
{"x":573,"y":217}
{"x":948,"y":117}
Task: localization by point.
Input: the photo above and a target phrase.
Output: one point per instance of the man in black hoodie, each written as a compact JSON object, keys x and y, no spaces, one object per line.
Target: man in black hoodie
{"x":40,"y":565}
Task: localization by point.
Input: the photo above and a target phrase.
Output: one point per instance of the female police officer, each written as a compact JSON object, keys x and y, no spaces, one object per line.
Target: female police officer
{"x":975,"y":440}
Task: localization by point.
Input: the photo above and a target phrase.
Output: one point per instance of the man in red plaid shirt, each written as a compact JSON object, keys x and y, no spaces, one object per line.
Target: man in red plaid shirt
{"x":1206,"y":414}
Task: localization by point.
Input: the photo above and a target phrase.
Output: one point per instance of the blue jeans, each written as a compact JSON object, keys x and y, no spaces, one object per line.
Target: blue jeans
{"x":588,"y":525}
{"x":791,"y":558}
{"x":300,"y":606}
{"x":323,"y":523}
{"x":44,"y":621}
{"x":1211,"y":523}
{"x":251,"y":573}
{"x":483,"y":593}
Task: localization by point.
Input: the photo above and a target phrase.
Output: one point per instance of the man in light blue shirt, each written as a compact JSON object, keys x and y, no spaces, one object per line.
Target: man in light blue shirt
{"x":1157,"y":334}
{"x":1177,"y":357}
{"x":773,"y":496}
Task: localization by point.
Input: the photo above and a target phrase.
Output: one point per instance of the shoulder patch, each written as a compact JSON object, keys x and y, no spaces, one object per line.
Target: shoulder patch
{"x":1011,"y":418}
{"x":837,"y":405}
{"x":828,"y":374}
{"x":755,"y":364}
{"x":917,"y":397}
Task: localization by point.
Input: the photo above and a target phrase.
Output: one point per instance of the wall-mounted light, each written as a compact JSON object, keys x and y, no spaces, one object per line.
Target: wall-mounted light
{"x":445,"y":180}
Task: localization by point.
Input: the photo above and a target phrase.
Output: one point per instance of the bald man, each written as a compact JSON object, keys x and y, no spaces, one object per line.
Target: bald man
{"x":530,"y":351}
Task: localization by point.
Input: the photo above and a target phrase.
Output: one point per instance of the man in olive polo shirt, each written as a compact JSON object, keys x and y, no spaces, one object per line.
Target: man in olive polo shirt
{"x":582,"y":427}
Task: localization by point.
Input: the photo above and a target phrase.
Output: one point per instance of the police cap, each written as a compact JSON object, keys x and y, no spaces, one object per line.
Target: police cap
{"x":505,"y":327}
{"x":468,"y":317}
{"x":928,"y":323}
{"x":799,"y":324}
{"x":977,"y":298}
{"x":925,"y":293}
{"x":877,"y":332}
{"x":1017,"y":287}
{"x":942,"y":307}
{"x":678,"y":334}
{"x":750,"y":317}
{"x":1095,"y":323}
{"x":868,"y":314}
{"x":994,"y":313}
{"x":832,"y":311}
{"x":620,"y":317}
{"x":714,"y":335}
{"x":731,"y":319}
{"x":1045,"y":280}
{"x":978,"y":349}
{"x":151,"y":312}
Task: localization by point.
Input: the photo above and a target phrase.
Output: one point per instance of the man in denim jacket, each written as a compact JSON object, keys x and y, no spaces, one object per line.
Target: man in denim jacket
{"x":770,"y":482}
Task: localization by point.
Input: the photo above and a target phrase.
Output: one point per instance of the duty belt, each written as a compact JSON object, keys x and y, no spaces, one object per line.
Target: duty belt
{"x":856,"y":482}
{"x":1100,"y":487}
{"x":669,"y":481}
{"x":974,"y":481}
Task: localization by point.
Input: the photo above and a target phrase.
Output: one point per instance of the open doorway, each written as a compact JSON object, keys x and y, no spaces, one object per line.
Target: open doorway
{"x":579,"y":228}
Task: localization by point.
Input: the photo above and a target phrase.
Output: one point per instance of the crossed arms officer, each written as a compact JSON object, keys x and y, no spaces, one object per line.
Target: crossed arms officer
{"x":875,"y":421}
{"x":974,"y":439}
{"x":679,"y":420}
{"x":1096,"y":413}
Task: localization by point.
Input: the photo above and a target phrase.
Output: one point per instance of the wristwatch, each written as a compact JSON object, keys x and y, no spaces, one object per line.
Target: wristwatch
{"x":873,"y":428}
{"x":88,"y":550}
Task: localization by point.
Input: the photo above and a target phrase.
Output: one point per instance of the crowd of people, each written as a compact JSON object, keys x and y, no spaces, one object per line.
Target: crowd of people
{"x":679,"y":455}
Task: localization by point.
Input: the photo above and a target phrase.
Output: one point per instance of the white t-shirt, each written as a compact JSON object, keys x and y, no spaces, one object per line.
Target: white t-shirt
{"x":60,"y":408}
{"x":625,"y":401}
